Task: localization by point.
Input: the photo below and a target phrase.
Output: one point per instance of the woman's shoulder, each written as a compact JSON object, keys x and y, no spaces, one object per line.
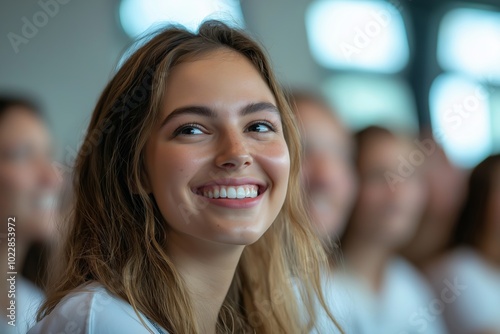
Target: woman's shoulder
{"x":462,"y":262}
{"x":92,"y":309}
{"x":405,"y":280}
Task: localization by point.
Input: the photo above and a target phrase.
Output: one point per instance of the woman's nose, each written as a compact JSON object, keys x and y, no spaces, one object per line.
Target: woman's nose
{"x":233,"y":153}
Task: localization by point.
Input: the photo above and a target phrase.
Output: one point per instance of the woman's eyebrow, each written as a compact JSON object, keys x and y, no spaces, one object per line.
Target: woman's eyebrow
{"x":208,"y":112}
{"x":260,"y":106}
{"x":189,"y":110}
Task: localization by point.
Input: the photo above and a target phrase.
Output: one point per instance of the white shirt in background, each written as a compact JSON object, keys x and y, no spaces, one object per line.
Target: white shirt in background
{"x":404,"y":304}
{"x":471,"y":287}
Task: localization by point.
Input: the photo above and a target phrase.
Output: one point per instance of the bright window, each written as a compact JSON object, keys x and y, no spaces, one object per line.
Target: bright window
{"x":495,"y":118}
{"x":469,"y":42}
{"x":357,"y":35}
{"x":362,"y":100}
{"x":137,"y":16}
{"x":461,"y":120}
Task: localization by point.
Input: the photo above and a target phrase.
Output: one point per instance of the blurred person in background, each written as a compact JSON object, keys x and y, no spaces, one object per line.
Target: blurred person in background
{"x":330,"y":184}
{"x":28,"y":189}
{"x":390,"y":295}
{"x":328,"y":175}
{"x":446,"y":185}
{"x":468,"y":278}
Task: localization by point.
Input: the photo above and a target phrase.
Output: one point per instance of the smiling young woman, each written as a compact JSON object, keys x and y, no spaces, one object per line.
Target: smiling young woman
{"x":189,"y":216}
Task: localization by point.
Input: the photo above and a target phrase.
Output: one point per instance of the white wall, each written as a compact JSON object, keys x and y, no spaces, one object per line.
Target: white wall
{"x":280,"y":26}
{"x":70,"y":59}
{"x":66,"y":64}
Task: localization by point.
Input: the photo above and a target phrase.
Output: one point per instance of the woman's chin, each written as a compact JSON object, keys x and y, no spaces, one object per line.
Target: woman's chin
{"x":236,"y":234}
{"x":241,"y":238}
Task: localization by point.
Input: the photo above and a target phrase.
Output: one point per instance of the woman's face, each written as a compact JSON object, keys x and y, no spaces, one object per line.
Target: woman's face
{"x":28,"y":183}
{"x":217,"y":163}
{"x":385,"y":214}
{"x":327,"y":168}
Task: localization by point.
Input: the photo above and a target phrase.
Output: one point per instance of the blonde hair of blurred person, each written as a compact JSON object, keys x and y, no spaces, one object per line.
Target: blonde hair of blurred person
{"x":28,"y":188}
{"x":468,"y":276}
{"x":153,"y":245}
{"x":327,"y":170}
{"x":390,"y":295}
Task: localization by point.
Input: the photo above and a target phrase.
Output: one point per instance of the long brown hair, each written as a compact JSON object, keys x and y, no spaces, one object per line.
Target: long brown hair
{"x":472,"y":221}
{"x":117,"y":236}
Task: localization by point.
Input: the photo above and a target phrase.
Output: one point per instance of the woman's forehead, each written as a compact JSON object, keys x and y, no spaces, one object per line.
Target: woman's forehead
{"x":220,"y":78}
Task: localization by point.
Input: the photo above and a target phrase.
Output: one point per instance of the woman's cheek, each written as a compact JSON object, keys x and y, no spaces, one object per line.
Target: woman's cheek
{"x":16,"y":186}
{"x":275,"y":161}
{"x":175,"y":167}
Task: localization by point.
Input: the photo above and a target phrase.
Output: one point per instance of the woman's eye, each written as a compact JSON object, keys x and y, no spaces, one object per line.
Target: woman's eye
{"x":188,"y":130}
{"x":18,"y":155}
{"x":260,"y":127}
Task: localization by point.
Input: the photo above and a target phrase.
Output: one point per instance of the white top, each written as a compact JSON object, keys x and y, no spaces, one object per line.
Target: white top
{"x":91,"y":309}
{"x":27,"y":301}
{"x":470,"y":287}
{"x":340,"y":303}
{"x":404,"y":303}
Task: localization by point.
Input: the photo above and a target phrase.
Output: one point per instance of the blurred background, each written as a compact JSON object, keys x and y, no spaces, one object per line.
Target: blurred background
{"x":404,"y":64}
{"x":428,"y":69}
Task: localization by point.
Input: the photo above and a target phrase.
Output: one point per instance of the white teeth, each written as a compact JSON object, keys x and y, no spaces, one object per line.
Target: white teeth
{"x":240,"y":192}
{"x":232,"y":192}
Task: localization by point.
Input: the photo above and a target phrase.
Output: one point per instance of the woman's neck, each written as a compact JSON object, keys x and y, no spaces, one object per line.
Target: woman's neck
{"x":367,"y":260}
{"x":207,"y":273}
{"x":490,"y":250}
